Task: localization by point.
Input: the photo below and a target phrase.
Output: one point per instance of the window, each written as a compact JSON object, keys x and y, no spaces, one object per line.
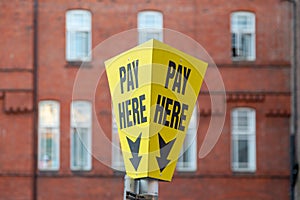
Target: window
{"x":150,"y":26}
{"x":48,"y":135}
{"x":81,"y":123}
{"x":243,"y":36}
{"x":117,"y":158}
{"x":243,"y":140}
{"x":187,"y":161}
{"x":78,"y":34}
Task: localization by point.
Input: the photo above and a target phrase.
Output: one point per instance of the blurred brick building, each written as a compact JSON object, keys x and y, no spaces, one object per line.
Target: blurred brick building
{"x":42,"y":47}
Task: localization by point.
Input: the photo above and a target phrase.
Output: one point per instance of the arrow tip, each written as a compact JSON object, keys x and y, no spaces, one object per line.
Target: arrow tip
{"x":162,"y":163}
{"x":135,"y":161}
{"x":165,"y":148}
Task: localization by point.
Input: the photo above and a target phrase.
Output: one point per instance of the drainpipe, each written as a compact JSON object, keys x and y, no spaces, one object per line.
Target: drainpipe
{"x":35,"y":97}
{"x":294,"y":106}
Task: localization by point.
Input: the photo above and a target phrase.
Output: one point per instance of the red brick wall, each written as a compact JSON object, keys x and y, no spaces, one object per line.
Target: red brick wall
{"x":272,"y":29}
{"x":16,"y":100}
{"x":220,"y":188}
{"x":50,"y":188}
{"x":15,"y":187}
{"x":262,"y":84}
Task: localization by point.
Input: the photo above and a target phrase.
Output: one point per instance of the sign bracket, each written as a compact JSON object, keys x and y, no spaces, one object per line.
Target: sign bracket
{"x":138,"y":189}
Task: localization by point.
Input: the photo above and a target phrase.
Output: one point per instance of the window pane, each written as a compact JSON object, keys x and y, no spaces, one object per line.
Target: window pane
{"x":246,"y":44}
{"x":81,"y":123}
{"x":152,"y":36}
{"x":48,"y":149}
{"x":48,"y":135}
{"x":117,"y":157}
{"x":78,"y":19}
{"x":243,"y":151}
{"x":234,"y":150}
{"x":81,"y":44}
{"x":234,"y":44}
{"x":242,"y":121}
{"x":80,"y":153}
{"x":187,"y":157}
{"x":150,"y":25}
{"x":243,"y":139}
{"x":81,"y":114}
{"x":187,"y":161}
{"x":78,"y":33}
{"x":243,"y":35}
{"x":150,"y":19}
{"x":242,"y":22}
{"x":48,"y":114}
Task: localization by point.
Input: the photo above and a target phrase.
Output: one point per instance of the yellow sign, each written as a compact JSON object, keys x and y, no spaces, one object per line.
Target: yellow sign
{"x":154,"y":88}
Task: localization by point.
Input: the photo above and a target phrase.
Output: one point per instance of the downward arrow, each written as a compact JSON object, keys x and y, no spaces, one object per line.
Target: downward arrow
{"x":134,"y":148}
{"x":165,"y":149}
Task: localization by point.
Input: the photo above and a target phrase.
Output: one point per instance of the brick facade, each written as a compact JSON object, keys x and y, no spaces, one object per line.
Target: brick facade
{"x":263,"y":84}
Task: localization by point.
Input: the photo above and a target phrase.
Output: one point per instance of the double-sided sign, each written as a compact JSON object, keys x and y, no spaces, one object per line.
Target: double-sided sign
{"x":154,"y":88}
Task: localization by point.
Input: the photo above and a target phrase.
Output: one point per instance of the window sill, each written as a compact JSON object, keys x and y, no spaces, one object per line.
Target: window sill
{"x":81,"y":171}
{"x":186,"y":170}
{"x":185,"y":174}
{"x":242,"y":62}
{"x":77,"y":64}
{"x":244,"y":173}
{"x":48,"y":172}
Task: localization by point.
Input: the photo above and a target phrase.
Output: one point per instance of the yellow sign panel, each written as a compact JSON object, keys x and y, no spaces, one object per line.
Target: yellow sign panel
{"x":154,"y":88}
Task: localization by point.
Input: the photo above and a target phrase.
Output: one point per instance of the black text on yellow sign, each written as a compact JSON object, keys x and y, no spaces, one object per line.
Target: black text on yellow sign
{"x":131,"y":111}
{"x":176,"y":78}
{"x":154,"y":88}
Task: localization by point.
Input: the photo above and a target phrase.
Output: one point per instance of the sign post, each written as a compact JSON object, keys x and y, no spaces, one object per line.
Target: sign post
{"x":154,"y":88}
{"x":140,"y":188}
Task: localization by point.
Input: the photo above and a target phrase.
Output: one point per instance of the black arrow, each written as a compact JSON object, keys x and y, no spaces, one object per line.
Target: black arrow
{"x":134,"y":148}
{"x":165,"y":149}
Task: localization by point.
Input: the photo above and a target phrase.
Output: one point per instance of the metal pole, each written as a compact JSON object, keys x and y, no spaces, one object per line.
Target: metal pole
{"x":294,"y":117}
{"x":135,"y":189}
{"x":131,"y":188}
{"x":149,"y":188}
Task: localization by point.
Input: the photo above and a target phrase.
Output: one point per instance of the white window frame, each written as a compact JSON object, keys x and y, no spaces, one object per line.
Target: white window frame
{"x":243,"y":29}
{"x":74,"y":27}
{"x":187,"y":162}
{"x":117,"y":157}
{"x":243,"y":129}
{"x":81,"y":119}
{"x":150,"y":26}
{"x":49,"y":130}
